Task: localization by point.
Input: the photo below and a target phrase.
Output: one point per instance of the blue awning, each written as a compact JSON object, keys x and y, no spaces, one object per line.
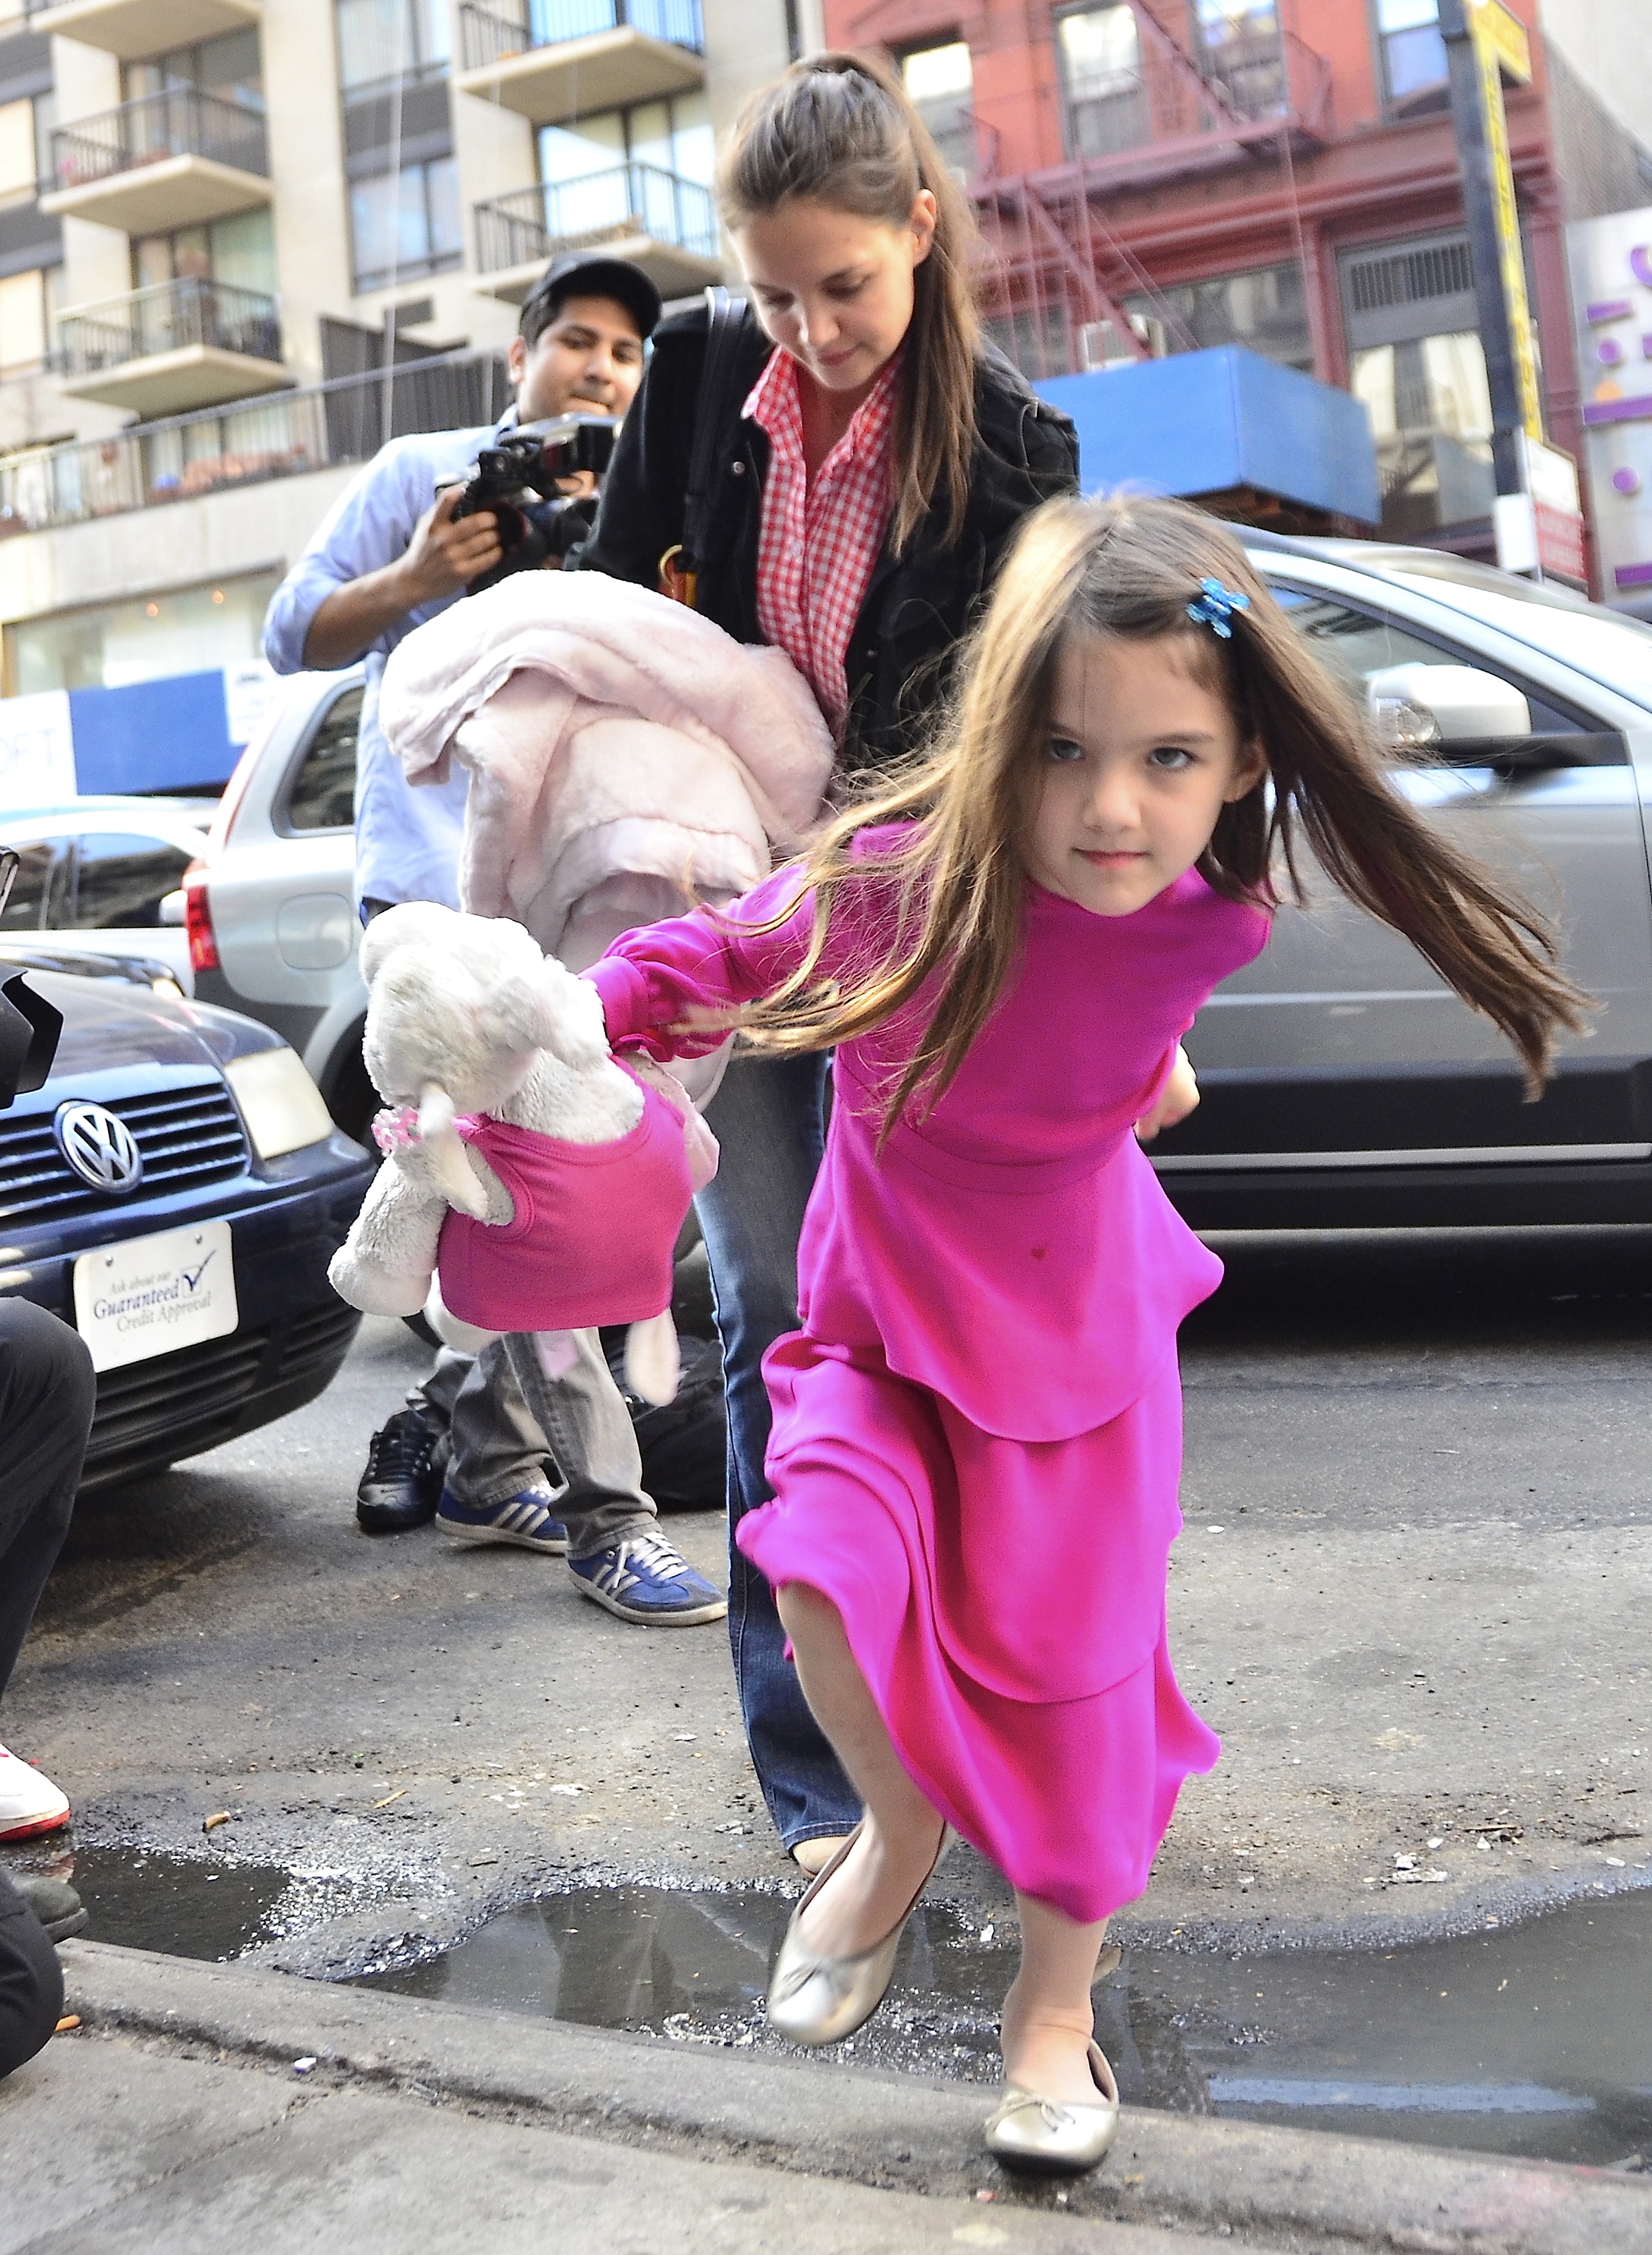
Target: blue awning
{"x":1205,"y":422}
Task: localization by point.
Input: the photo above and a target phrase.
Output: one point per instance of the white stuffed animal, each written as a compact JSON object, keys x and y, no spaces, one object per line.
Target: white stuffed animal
{"x":530,"y":1183}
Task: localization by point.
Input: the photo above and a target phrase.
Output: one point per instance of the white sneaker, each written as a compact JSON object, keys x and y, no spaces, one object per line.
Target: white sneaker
{"x":29,"y":1802}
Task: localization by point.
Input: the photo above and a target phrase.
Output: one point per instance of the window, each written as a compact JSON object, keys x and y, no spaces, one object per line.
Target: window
{"x":674,"y":136}
{"x":230,"y":66}
{"x":322,"y":793}
{"x":239,"y":250}
{"x":24,"y":324}
{"x":120,"y":880}
{"x":381,"y":41}
{"x":1241,"y":53}
{"x":1100,"y":53}
{"x":38,"y":897}
{"x":183,"y":631}
{"x":18,"y":161}
{"x":1264,"y":308}
{"x":405,"y":223}
{"x":583,"y":170}
{"x":1413,"y":51}
{"x":940,"y":82}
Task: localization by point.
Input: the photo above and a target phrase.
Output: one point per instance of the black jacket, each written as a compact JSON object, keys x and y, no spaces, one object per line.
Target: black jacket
{"x":916,"y":607}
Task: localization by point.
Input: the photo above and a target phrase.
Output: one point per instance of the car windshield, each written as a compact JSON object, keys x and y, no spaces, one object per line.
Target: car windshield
{"x":1608,"y":646}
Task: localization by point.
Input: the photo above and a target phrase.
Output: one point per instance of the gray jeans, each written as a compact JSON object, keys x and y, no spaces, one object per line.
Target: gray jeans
{"x":506,"y":1418}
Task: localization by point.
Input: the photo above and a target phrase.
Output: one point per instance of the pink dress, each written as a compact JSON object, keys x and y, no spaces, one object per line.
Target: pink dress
{"x":977,"y":1427}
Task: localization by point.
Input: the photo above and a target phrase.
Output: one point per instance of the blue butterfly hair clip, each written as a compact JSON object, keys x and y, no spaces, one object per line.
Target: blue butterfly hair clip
{"x":1215,"y":605}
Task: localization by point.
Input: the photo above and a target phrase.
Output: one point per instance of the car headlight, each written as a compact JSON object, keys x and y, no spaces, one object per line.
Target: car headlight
{"x":279,"y":1102}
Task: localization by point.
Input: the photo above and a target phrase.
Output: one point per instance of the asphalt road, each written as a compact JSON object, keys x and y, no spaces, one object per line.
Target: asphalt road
{"x":1412,"y":1596}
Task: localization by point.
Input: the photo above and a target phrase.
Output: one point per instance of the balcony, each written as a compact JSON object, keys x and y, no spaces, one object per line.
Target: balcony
{"x":134,"y":29}
{"x":192,"y":343}
{"x":1169,"y":114}
{"x":286,"y":434}
{"x":665,"y":225}
{"x":169,"y":160}
{"x":551,"y":61}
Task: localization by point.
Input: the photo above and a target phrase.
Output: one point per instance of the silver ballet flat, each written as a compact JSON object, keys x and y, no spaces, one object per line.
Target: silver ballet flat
{"x":820,"y":2000}
{"x":1056,"y":2138}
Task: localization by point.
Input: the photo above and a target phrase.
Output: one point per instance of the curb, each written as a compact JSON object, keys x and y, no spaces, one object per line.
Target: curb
{"x":1306,"y":2187}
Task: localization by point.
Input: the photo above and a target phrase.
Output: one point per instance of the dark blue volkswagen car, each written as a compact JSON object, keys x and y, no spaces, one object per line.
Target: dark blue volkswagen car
{"x":175,"y":1190}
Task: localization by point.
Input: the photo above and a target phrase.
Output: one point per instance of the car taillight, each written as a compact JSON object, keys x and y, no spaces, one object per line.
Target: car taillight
{"x":203,"y":941}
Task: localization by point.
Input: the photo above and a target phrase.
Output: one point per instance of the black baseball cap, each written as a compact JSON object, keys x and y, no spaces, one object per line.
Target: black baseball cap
{"x":581,"y":274}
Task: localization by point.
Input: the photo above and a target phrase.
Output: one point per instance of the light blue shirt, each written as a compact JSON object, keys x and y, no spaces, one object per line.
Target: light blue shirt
{"x":406,"y":840}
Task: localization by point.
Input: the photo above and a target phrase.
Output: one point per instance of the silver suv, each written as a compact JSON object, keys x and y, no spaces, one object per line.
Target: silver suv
{"x":271,"y":908}
{"x":1343,"y":1085}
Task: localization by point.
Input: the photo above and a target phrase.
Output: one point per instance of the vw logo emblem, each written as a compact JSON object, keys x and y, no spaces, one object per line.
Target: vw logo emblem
{"x":101,"y":1150}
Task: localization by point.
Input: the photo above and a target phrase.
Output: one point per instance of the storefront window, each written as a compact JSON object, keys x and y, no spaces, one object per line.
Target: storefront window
{"x":1432,"y":418}
{"x":186,"y":630}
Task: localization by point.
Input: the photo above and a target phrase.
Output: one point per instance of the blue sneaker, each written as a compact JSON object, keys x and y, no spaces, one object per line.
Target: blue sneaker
{"x":643,"y":1578}
{"x":525,"y":1519}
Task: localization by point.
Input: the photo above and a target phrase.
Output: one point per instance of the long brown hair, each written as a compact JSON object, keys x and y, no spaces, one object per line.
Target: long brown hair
{"x":839,"y":130}
{"x":1130,"y":567}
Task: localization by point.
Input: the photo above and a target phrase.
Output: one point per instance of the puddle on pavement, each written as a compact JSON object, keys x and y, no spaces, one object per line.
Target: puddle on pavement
{"x":175,"y":1904}
{"x":1533,"y":2039}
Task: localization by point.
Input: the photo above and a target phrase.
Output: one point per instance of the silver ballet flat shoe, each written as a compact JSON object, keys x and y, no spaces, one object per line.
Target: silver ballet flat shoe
{"x":820,"y":2000}
{"x":1055,"y":2136}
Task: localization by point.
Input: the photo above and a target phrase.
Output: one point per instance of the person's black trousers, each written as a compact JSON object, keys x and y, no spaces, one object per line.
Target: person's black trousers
{"x":47,"y":1393}
{"x":46,"y":1396}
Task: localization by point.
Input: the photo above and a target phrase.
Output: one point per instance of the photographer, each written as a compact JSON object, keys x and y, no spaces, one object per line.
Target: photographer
{"x":391,"y":553}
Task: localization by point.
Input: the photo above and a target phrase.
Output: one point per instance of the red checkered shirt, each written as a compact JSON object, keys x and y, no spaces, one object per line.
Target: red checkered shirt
{"x":817,"y":543}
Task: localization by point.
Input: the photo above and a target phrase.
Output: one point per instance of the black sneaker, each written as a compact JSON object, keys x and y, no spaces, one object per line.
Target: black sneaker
{"x":53,"y":1902}
{"x":403,"y":1483}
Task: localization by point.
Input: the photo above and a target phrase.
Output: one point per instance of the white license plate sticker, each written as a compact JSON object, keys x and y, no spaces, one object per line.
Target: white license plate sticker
{"x":153,"y":1295}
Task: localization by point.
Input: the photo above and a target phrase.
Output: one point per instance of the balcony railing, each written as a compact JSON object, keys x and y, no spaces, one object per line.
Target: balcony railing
{"x":489,"y":35}
{"x":281,"y":435}
{"x":532,"y":225}
{"x":180,"y":123}
{"x":1240,"y":89}
{"x":170,"y":317}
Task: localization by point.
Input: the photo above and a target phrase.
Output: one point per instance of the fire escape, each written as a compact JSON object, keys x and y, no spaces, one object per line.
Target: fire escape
{"x":1142,"y":111}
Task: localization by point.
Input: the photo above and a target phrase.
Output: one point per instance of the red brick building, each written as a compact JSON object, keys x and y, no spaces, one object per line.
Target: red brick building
{"x":1161,"y":175}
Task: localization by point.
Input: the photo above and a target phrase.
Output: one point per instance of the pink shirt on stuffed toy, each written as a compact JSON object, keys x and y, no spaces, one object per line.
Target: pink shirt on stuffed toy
{"x":592,"y":1236}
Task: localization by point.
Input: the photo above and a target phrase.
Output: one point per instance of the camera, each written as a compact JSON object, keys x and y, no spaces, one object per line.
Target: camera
{"x":518,"y":480}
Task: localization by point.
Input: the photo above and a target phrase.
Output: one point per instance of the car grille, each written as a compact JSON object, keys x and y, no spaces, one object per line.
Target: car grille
{"x":188,"y":1137}
{"x":175,"y":1405}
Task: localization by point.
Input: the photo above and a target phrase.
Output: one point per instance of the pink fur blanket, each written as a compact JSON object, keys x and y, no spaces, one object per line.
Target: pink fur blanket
{"x":622,"y":751}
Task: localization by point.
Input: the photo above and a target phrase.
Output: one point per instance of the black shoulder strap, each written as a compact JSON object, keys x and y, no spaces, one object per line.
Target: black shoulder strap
{"x":726,"y":318}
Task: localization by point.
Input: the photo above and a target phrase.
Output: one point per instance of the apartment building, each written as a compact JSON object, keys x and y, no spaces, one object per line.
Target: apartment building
{"x":242,"y":241}
{"x":1156,"y":176}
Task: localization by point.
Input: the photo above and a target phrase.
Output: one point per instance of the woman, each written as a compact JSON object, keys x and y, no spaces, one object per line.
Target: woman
{"x":872,"y":459}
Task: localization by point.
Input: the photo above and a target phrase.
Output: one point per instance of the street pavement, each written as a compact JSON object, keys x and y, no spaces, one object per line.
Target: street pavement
{"x":214,"y":2108}
{"x":1412,"y":1597}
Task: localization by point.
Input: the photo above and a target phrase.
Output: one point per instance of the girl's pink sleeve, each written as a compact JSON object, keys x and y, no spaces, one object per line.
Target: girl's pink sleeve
{"x":711,"y":960}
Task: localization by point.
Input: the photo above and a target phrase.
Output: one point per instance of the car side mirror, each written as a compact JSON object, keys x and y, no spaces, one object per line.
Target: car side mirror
{"x":30,"y":1031}
{"x":172,"y":909}
{"x":1420,"y":707}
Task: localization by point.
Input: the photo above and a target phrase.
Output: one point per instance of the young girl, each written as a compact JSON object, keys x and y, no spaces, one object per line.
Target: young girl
{"x":977,"y":1426}
{"x":873,"y":458}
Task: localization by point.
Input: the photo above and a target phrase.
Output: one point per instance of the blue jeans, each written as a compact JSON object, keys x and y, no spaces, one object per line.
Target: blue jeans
{"x":768,"y":1118}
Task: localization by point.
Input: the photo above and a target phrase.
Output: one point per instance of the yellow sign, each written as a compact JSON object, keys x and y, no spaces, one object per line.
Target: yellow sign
{"x":1509,"y":38}
{"x":1489,"y":54}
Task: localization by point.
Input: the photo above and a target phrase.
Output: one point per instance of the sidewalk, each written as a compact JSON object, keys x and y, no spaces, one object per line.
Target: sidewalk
{"x":214,"y":2107}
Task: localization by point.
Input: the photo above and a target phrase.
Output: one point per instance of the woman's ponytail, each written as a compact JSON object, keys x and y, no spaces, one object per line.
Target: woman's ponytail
{"x":841,"y":130}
